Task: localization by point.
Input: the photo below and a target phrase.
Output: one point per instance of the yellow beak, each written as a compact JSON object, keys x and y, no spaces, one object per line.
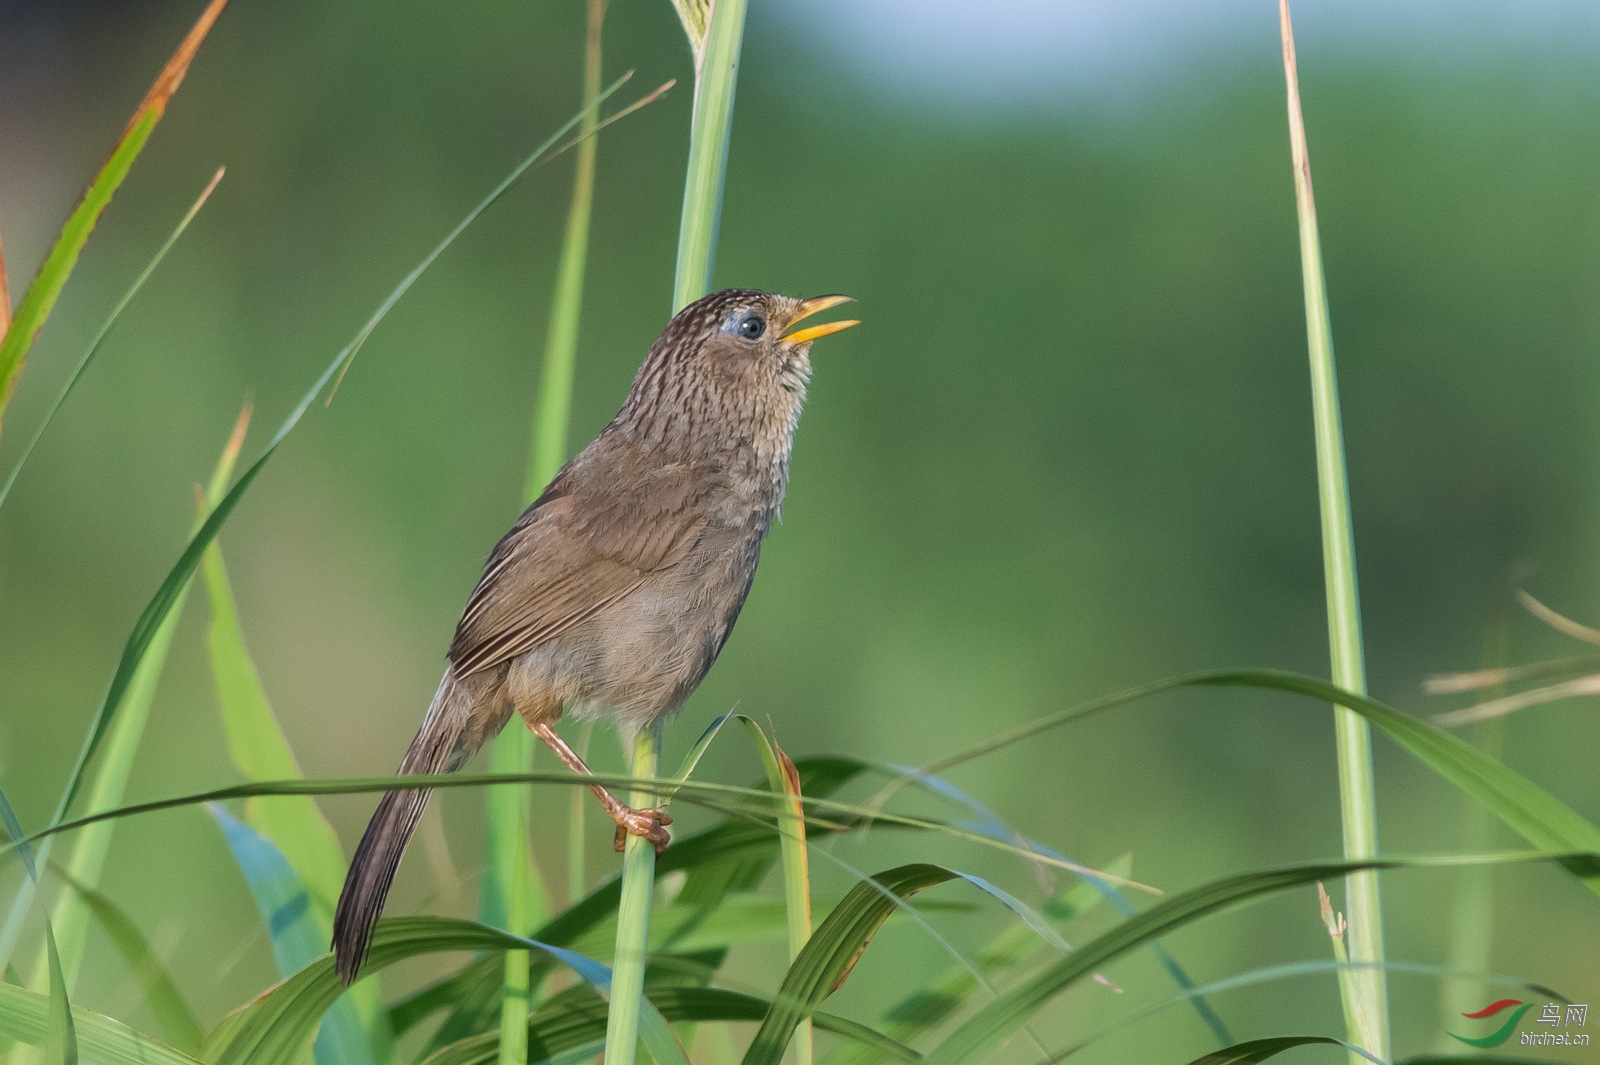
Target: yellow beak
{"x":815,"y":305}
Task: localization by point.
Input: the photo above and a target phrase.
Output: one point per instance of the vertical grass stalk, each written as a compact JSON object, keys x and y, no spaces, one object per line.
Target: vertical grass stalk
{"x":784,"y":780}
{"x":512,"y":881}
{"x":1365,"y":987}
{"x":716,"y":74}
{"x":633,"y":914}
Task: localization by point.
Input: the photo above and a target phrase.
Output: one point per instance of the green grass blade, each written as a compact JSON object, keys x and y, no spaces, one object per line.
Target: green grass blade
{"x":58,"y":1036}
{"x":41,"y":295}
{"x":832,"y":952}
{"x":980,"y":1032}
{"x":280,"y":1023}
{"x":105,"y":330}
{"x":784,"y":779}
{"x":177,"y":1020}
{"x":1358,"y":805}
{"x":1258,"y":1050}
{"x":928,"y":1006}
{"x":570,"y":1021}
{"x":25,"y":1014}
{"x":297,"y":938}
{"x":1533,"y":813}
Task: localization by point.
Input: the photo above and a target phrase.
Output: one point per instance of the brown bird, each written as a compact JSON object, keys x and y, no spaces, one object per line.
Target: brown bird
{"x":615,"y":591}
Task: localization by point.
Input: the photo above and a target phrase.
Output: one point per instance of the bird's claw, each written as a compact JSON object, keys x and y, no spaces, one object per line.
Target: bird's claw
{"x":651,"y":824}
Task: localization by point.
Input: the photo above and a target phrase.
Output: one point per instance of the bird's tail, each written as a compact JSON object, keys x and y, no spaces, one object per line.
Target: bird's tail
{"x":440,"y":746}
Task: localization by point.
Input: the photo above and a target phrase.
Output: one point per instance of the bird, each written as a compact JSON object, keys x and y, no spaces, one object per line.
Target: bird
{"x":616,"y":589}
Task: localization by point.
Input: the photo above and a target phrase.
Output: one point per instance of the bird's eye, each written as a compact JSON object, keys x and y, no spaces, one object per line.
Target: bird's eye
{"x":752,"y":326}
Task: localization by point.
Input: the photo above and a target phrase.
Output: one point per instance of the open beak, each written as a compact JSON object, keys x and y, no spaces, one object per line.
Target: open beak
{"x":816,"y":305}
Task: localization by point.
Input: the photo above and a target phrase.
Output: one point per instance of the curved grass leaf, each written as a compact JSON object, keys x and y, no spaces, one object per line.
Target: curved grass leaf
{"x":105,"y":330}
{"x":783,"y":779}
{"x":980,"y":1032}
{"x":1258,"y":1050}
{"x":1015,"y":946}
{"x":167,"y":594}
{"x":1539,"y":817}
{"x":279,"y":1025}
{"x":40,"y":297}
{"x":25,"y":1015}
{"x":1296,"y":969}
{"x":577,"y":1018}
{"x":988,"y":823}
{"x":832,"y":952}
{"x":57,"y":1033}
{"x":297,"y":938}
{"x":845,"y":816}
{"x":177,"y":1020}
{"x":733,"y":856}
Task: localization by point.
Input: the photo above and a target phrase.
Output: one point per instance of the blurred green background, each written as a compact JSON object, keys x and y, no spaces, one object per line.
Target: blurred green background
{"x":1069,"y":451}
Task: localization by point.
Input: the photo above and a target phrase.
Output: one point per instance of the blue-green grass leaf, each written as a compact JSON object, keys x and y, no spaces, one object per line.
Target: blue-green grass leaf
{"x":297,"y":938}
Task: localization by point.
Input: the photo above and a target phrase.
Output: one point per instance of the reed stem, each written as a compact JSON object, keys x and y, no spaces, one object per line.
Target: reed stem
{"x":716,"y":77}
{"x":511,"y":864}
{"x":716,"y":74}
{"x":633,"y":914}
{"x":1364,"y":987}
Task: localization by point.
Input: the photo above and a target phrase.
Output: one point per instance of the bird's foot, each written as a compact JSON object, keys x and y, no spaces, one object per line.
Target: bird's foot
{"x":651,"y":824}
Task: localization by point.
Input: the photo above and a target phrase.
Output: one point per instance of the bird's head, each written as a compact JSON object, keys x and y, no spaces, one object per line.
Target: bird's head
{"x":730,"y":371}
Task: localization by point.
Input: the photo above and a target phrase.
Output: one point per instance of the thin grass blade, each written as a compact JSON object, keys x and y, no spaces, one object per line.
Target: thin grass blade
{"x":41,"y":295}
{"x":105,"y":330}
{"x":1352,"y":736}
{"x":783,"y":779}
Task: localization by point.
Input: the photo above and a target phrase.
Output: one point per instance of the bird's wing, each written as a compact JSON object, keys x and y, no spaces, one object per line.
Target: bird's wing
{"x":587,"y":543}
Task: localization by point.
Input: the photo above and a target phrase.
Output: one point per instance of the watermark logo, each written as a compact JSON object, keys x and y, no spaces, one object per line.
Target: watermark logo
{"x":1553,"y":1014}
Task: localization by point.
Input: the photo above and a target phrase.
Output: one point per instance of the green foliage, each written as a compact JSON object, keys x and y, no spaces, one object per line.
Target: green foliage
{"x":675,"y":922}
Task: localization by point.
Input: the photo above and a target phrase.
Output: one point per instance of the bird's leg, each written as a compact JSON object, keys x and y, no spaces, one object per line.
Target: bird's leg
{"x":651,"y":824}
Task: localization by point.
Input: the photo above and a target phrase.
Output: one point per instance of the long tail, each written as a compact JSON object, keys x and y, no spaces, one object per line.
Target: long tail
{"x":440,"y":746}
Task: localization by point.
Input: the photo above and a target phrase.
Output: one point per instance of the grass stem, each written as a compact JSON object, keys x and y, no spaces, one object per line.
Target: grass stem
{"x":1353,"y":738}
{"x":716,"y":71}
{"x":633,"y":914}
{"x":716,"y":77}
{"x":511,"y":862}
